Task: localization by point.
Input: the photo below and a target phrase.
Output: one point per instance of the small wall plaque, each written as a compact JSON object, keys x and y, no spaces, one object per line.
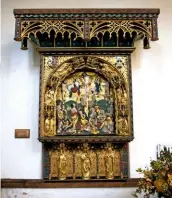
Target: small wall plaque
{"x":22,"y":133}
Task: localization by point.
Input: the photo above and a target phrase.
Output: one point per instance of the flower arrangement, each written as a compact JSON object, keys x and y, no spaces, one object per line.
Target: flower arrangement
{"x":158,"y":178}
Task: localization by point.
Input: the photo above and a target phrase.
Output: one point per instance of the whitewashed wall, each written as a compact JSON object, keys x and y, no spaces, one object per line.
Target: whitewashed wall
{"x":68,"y":193}
{"x":152,"y":95}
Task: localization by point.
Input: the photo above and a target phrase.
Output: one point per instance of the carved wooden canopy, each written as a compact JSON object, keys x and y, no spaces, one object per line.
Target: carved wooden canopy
{"x":86,"y":27}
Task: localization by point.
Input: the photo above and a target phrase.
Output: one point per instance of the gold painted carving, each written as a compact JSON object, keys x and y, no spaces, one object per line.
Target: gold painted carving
{"x":122,"y":126}
{"x":112,"y":159}
{"x":109,"y":162}
{"x":61,"y":162}
{"x":53,"y":164}
{"x":113,"y":68}
{"x":84,"y":162}
{"x":50,"y":63}
{"x":120,"y":63}
{"x":77,"y":164}
{"x":49,"y":97}
{"x":50,"y":123}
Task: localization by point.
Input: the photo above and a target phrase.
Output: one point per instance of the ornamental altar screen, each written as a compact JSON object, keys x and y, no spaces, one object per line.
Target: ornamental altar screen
{"x":85,"y":119}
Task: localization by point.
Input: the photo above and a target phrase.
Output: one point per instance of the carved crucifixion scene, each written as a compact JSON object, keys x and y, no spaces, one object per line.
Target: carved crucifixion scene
{"x":85,"y":105}
{"x":87,"y":96}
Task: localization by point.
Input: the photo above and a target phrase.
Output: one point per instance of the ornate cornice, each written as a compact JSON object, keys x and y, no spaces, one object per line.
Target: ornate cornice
{"x":85,"y":10}
{"x":84,"y":27}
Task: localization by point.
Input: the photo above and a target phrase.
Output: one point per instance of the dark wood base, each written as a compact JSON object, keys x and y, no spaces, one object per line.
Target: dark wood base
{"x":39,"y":183}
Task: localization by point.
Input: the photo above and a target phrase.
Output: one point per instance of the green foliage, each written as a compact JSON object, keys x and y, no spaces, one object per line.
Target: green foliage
{"x":157,"y":178}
